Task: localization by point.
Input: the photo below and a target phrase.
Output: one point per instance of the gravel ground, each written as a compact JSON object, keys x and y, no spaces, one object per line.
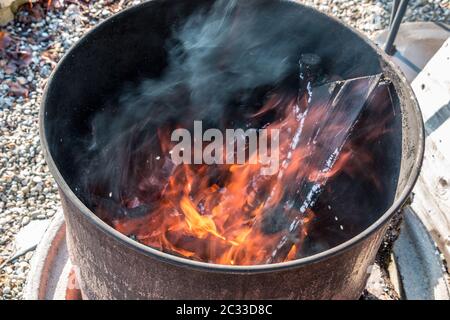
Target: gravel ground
{"x":30,"y":47}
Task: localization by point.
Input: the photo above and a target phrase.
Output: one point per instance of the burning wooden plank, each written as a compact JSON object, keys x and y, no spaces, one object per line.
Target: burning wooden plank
{"x":344,"y":103}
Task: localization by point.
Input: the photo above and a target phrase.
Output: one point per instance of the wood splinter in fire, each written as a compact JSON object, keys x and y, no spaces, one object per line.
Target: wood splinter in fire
{"x":345,"y":106}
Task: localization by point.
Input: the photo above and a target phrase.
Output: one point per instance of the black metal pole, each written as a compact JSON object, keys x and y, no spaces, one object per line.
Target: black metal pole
{"x":394,"y":11}
{"x":389,"y":46}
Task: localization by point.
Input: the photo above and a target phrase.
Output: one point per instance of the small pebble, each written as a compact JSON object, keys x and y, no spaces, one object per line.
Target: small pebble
{"x":25,"y":220}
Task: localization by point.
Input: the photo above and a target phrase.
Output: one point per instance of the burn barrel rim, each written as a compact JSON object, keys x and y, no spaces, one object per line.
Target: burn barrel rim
{"x":184,"y":262}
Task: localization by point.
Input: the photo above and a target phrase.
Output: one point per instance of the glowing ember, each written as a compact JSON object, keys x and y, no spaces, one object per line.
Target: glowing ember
{"x":232,"y":214}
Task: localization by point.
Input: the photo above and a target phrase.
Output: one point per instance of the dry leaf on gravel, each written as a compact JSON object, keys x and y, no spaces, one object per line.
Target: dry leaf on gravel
{"x":16,"y":89}
{"x":5,"y":40}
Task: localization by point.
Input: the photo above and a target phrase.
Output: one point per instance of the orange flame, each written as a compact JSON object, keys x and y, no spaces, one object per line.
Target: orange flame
{"x":227,"y":220}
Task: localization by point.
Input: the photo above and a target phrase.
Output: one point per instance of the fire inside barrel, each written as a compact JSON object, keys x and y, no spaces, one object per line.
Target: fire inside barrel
{"x":233,"y":214}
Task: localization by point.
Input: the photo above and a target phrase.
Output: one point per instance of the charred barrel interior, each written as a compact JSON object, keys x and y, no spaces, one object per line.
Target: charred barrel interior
{"x":116,"y":97}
